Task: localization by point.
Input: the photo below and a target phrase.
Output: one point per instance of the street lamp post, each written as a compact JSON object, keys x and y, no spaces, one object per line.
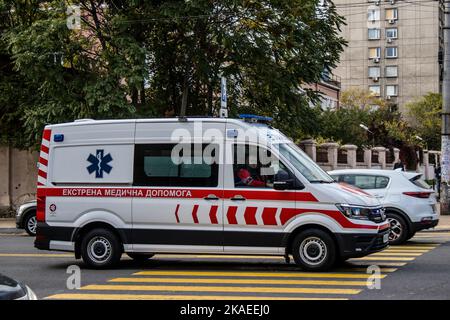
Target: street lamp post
{"x":366,"y":128}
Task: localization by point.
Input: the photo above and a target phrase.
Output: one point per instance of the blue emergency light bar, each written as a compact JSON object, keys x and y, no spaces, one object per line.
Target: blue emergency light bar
{"x":255,"y":118}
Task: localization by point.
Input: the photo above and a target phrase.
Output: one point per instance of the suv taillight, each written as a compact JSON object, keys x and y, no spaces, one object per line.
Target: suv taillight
{"x":422,"y":195}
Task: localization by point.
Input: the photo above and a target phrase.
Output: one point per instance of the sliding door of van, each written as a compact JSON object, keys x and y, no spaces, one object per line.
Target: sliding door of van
{"x":178,"y":206}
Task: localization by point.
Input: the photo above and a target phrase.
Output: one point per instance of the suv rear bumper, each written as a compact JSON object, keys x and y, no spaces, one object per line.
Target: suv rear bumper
{"x":354,"y":245}
{"x":417,"y":226}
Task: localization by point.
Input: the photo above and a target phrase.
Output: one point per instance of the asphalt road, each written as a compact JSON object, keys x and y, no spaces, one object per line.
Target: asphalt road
{"x":416,"y":270}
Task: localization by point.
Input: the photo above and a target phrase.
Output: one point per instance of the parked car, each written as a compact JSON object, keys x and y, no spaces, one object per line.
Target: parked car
{"x":409,"y":201}
{"x":26,"y":217}
{"x":13,"y":290}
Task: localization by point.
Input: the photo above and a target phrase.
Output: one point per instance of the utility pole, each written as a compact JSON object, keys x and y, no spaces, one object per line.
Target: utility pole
{"x":445,"y":148}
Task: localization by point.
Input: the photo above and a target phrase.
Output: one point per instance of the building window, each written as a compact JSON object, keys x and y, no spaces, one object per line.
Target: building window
{"x":375,"y":90}
{"x":392,"y":14}
{"x":374,"y":53}
{"x":374,"y":34}
{"x":391,"y":52}
{"x":391,"y":71}
{"x":373,"y":15}
{"x":391,"y":33}
{"x":374,"y":72}
{"x":391,"y":90}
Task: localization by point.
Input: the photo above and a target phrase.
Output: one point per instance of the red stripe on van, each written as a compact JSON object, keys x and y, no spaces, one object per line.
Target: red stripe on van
{"x":47,"y":134}
{"x":289,"y":213}
{"x":43,"y":161}
{"x":194,"y":213}
{"x":213,"y":214}
{"x":250,"y":215}
{"x":176,"y":213}
{"x":42,"y":174}
{"x":268,"y":216}
{"x":231,"y":214}
{"x":271,"y":195}
{"x":40,"y":205}
{"x":350,"y":188}
{"x":44,"y":149}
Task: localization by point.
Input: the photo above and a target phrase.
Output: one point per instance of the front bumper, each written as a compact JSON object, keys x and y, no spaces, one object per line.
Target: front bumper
{"x":417,"y":226}
{"x":19,"y":223}
{"x":354,"y":245}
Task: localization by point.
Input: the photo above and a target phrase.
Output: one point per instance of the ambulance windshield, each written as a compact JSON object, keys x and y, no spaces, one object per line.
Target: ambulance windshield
{"x":304,"y":164}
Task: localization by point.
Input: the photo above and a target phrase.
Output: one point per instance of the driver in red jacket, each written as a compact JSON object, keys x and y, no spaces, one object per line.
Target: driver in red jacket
{"x":250,"y":177}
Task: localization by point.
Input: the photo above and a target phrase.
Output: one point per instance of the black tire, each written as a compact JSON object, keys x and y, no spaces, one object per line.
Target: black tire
{"x":410,"y":235}
{"x":314,"y":244}
{"x":399,"y":229}
{"x":101,"y":249}
{"x":140,"y":257}
{"x":29,"y":220}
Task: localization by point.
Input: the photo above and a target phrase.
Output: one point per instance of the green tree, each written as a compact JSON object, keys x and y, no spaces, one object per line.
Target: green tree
{"x":135,"y":58}
{"x":424,"y":116}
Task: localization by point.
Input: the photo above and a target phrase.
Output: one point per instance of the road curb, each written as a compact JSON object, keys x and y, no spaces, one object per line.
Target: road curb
{"x":11,"y":231}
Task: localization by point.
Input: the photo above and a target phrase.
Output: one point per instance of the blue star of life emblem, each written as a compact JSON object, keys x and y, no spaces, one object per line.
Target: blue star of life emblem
{"x":99,"y":163}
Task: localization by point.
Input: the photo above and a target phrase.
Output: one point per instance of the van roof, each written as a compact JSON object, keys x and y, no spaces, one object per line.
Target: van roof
{"x":81,"y":122}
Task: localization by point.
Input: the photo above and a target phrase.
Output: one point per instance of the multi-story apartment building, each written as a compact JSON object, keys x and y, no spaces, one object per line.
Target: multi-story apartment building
{"x":394,"y":47}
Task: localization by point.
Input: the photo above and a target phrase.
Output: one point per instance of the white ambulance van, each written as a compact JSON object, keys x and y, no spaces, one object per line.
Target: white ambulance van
{"x":195,"y":185}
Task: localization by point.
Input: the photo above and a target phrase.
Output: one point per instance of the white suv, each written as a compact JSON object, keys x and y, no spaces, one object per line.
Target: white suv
{"x":410,"y":203}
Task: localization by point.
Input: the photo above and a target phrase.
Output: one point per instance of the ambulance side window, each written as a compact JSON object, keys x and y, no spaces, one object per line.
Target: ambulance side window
{"x":252,"y":169}
{"x":155,"y":165}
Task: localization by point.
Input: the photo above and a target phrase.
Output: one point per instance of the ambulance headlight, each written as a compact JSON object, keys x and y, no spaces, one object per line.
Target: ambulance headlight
{"x":354,"y":212}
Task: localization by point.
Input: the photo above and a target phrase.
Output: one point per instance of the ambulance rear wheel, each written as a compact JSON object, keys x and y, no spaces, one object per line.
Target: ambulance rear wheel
{"x":140,"y":257}
{"x":314,"y":250}
{"x":100,"y":249}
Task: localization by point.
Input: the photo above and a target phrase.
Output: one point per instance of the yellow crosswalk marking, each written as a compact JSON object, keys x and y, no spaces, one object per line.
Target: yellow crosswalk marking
{"x":96,"y":296}
{"x":256,"y":274}
{"x":407,"y":250}
{"x":385,"y":258}
{"x":171,"y":288}
{"x":378,"y":263}
{"x":240,"y":281}
{"x":396,"y":254}
{"x":422,"y":246}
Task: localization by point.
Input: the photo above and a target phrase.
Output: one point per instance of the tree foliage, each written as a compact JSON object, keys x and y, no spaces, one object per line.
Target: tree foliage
{"x":358,"y":107}
{"x":425,"y":119}
{"x":134,"y":58}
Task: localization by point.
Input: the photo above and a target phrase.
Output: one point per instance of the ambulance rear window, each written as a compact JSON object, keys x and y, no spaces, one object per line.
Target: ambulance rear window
{"x":155,"y":166}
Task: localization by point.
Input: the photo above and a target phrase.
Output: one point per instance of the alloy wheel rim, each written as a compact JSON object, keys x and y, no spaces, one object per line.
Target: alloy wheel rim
{"x":396,"y":229}
{"x":32,"y":224}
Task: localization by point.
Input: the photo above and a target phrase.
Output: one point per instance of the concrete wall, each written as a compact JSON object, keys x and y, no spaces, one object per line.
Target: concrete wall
{"x":18,"y":172}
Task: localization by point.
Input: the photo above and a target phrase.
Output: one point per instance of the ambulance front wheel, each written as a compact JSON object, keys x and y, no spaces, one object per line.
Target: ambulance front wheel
{"x":100,"y":249}
{"x":314,"y":250}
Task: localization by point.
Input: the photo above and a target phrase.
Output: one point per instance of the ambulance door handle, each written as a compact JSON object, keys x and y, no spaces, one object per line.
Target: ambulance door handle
{"x":238,"y":197}
{"x":211,"y":197}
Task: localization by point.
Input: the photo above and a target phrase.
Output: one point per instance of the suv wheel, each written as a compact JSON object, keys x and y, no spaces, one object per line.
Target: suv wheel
{"x":30,"y":224}
{"x":314,"y":250}
{"x":399,"y":229}
{"x":100,"y":248}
